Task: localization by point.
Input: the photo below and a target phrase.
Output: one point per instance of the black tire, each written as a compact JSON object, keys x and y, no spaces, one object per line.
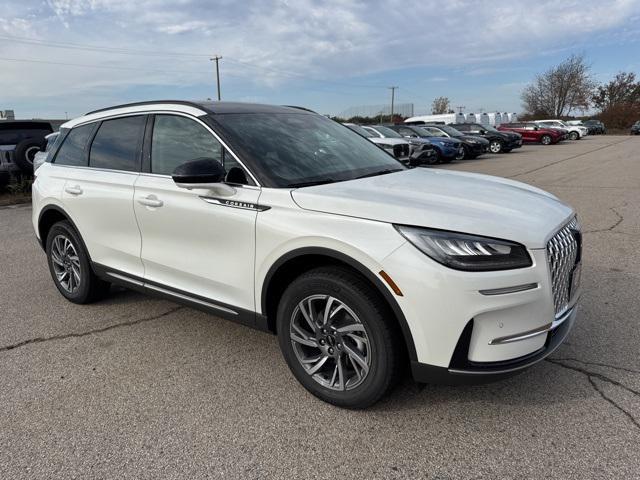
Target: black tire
{"x":89,"y":288}
{"x":545,"y":140}
{"x":574,"y":136}
{"x":495,"y":146}
{"x":385,"y":352}
{"x":462,"y":154}
{"x":24,"y":153}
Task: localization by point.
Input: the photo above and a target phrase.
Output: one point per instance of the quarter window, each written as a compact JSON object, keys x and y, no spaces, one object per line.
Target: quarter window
{"x":116,"y":146}
{"x":72,"y":151}
{"x":177,"y":140}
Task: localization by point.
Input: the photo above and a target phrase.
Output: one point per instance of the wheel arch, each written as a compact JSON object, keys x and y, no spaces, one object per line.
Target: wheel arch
{"x":296,"y":262}
{"x":49,"y":216}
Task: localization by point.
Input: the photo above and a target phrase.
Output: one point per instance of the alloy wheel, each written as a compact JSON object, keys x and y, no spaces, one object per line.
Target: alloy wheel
{"x":330,"y":342}
{"x":546,"y":140}
{"x":495,"y":146}
{"x":460,"y":154}
{"x":66,"y":263}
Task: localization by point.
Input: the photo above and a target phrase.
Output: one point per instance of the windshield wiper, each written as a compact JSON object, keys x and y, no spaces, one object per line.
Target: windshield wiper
{"x":311,"y":183}
{"x":380,"y":172}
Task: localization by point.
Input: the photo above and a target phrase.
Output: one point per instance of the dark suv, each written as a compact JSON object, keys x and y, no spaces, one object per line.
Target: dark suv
{"x":596,"y":127}
{"x":20,"y":140}
{"x":498,"y":141}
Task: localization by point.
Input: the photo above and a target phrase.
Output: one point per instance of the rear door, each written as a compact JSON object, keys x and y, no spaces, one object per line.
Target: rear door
{"x":193,"y":241}
{"x":98,"y":191}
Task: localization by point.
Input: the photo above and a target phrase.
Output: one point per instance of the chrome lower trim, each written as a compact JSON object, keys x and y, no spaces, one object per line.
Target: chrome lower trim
{"x":532,"y":333}
{"x":126,"y":279}
{"x":190,"y":299}
{"x":505,"y":290}
{"x":165,"y":291}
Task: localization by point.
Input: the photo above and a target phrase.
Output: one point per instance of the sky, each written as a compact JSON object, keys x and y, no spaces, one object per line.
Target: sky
{"x":62,"y":58}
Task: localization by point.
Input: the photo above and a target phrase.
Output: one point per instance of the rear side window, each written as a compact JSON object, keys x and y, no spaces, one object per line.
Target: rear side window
{"x":72,"y":151}
{"x":177,"y":140}
{"x":117,"y":144}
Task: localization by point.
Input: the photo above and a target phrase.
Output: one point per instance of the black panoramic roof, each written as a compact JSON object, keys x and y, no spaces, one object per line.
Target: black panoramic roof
{"x":217,"y":108}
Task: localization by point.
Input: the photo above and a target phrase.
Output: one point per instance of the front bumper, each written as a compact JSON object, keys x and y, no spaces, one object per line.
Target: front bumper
{"x":463,"y":371}
{"x":515,"y":143}
{"x":457,"y":319}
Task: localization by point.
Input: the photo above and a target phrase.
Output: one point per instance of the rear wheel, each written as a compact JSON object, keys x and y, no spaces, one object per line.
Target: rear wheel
{"x":338,"y":337}
{"x":545,"y":140}
{"x":495,"y":146}
{"x":69,"y":265}
{"x":574,"y":136}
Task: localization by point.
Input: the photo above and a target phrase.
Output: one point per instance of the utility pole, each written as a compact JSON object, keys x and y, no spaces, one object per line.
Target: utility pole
{"x":393,"y":91}
{"x":216,"y":58}
{"x":460,"y":108}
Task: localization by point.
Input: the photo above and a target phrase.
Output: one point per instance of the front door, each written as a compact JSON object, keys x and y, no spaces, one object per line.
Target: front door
{"x":193,"y":241}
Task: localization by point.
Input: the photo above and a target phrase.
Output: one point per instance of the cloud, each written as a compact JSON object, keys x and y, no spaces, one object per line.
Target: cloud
{"x":269,"y":44}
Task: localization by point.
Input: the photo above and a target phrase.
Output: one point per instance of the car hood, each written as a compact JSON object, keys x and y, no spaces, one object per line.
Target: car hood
{"x":446,"y":200}
{"x":477,"y":139}
{"x":445,"y":140}
{"x":388,"y":141}
{"x":508,"y":134}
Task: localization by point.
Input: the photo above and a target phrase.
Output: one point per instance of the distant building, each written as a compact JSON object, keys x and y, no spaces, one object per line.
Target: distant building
{"x":7,"y":115}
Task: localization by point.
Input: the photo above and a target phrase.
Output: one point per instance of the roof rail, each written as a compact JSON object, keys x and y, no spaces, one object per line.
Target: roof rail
{"x":150,"y":102}
{"x":300,"y":108}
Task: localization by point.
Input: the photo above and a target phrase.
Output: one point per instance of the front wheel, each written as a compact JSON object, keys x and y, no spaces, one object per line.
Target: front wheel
{"x":574,"y":136}
{"x":545,"y":140}
{"x":495,"y":146}
{"x":338,"y":337}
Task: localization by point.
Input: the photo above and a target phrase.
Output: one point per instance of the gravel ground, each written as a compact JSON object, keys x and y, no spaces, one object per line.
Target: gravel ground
{"x":134,"y":387}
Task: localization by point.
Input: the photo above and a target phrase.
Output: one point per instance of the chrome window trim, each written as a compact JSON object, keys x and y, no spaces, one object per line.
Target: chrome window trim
{"x":164,"y":112}
{"x":217,"y":137}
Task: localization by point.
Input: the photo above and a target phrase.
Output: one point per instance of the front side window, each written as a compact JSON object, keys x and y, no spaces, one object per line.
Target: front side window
{"x":177,"y":140}
{"x":117,"y":144}
{"x":297,"y":149}
{"x":72,"y":152}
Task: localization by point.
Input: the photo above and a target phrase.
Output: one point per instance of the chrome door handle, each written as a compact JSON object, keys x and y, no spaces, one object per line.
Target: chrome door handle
{"x":150,"y":201}
{"x":75,"y":190}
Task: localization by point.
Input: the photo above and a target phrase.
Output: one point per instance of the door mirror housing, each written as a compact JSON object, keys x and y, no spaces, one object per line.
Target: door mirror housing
{"x":202,"y":173}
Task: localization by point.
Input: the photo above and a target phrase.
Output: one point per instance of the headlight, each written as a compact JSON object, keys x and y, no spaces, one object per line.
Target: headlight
{"x":467,"y":252}
{"x":386,"y":146}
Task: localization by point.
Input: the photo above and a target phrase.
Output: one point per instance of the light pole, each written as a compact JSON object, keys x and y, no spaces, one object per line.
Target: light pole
{"x":393,"y":91}
{"x":216,"y":58}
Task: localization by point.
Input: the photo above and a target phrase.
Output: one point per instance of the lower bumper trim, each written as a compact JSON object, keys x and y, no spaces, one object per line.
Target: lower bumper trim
{"x":476,"y":372}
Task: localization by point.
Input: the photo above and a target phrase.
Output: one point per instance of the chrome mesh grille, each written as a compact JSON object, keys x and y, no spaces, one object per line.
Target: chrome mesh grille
{"x":562,"y":254}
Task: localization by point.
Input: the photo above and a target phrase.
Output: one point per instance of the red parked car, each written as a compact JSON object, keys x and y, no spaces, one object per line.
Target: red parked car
{"x":532,"y":133}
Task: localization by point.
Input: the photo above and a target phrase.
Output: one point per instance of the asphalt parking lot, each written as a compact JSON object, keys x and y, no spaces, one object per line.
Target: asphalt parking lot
{"x":142,"y":388}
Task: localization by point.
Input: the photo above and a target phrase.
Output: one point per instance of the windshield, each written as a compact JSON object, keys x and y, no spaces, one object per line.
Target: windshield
{"x":488,"y":128}
{"x":451,"y":131}
{"x":299,"y":149}
{"x":359,"y":130}
{"x":388,"y":133}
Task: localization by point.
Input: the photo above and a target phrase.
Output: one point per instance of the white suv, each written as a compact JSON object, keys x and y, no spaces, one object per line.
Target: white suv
{"x":576,"y":132}
{"x":285,"y":221}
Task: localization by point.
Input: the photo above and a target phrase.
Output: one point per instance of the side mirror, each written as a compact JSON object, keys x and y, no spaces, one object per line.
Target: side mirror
{"x":536,"y":128}
{"x":204,"y":173}
{"x":483,"y":132}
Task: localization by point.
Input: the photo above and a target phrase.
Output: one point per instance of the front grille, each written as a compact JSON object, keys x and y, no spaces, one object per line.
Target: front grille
{"x":563,"y":252}
{"x":401,"y":150}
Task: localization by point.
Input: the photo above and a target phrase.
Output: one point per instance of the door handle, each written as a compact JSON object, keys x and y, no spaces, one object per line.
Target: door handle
{"x":75,"y":190}
{"x":150,"y":201}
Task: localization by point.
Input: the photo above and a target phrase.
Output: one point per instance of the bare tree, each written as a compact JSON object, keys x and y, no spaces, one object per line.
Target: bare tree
{"x":619,"y":100}
{"x":622,"y":90}
{"x":440,"y":105}
{"x":560,"y":90}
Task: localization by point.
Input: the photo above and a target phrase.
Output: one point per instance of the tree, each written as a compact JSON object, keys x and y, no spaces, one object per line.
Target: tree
{"x":622,"y":90}
{"x":440,"y":105}
{"x":560,"y":90}
{"x":619,"y":100}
